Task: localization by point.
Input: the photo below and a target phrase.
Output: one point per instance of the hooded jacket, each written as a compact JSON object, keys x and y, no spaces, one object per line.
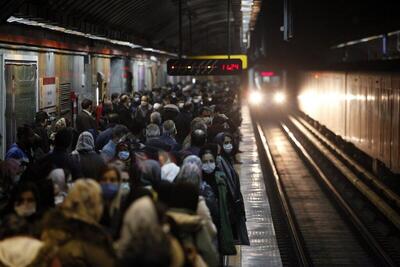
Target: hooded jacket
{"x":86,"y":157}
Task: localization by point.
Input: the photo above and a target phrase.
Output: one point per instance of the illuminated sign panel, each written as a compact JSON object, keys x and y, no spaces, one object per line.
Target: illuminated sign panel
{"x":196,"y":67}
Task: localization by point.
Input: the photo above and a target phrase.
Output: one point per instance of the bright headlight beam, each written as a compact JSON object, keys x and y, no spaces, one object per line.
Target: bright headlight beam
{"x":279,"y":97}
{"x":255,"y":97}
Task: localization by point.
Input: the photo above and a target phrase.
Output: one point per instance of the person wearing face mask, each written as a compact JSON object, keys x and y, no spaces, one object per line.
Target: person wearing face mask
{"x":25,"y":203}
{"x":225,"y":163}
{"x":113,"y":196}
{"x":216,"y":179}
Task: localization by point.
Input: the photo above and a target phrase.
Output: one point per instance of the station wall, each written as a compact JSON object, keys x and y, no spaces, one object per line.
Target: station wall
{"x":59,"y":74}
{"x":363,"y":108}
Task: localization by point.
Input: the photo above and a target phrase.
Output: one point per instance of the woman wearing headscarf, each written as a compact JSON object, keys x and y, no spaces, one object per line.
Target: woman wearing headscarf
{"x":144,"y":241}
{"x":74,"y":228}
{"x":216,"y":179}
{"x":59,"y":179}
{"x":237,"y":213}
{"x":191,"y":173}
{"x":113,"y":197}
{"x":169,"y":170}
{"x":86,"y":157}
{"x":150,"y":173}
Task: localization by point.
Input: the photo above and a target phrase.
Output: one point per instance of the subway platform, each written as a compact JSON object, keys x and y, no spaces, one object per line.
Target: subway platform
{"x":263,"y":249}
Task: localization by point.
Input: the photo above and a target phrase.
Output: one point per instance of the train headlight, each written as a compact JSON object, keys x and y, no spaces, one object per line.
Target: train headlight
{"x":279,"y":97}
{"x":255,"y":98}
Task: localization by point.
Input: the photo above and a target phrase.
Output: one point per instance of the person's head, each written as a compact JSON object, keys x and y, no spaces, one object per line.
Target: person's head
{"x":157,"y":107}
{"x":41,"y":118}
{"x":225,"y":141}
{"x":155,"y":117}
{"x":107,"y":106}
{"x":198,"y":123}
{"x":144,"y":101}
{"x":169,"y":128}
{"x":125,"y":100}
{"x":152,"y":131}
{"x":150,"y":172}
{"x":84,"y":201}
{"x":87,"y":104}
{"x":198,"y":138}
{"x":228,"y":144}
{"x":115,"y":98}
{"x":118,"y":132}
{"x":208,"y":156}
{"x":136,"y":98}
{"x":205,"y":112}
{"x":26,"y":202}
{"x":25,"y":136}
{"x":110,"y":181}
{"x":193,"y":159}
{"x":85,"y":142}
{"x":63,"y":139}
{"x":185,"y":196}
{"x":190,"y":173}
{"x":60,"y":124}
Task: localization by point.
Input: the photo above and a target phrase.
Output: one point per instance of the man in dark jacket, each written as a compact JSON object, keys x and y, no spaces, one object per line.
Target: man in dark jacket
{"x":124,"y":112}
{"x":182,"y":122}
{"x":39,"y":128}
{"x":85,"y":120}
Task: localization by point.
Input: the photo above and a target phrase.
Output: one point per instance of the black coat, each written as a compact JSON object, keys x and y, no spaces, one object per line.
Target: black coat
{"x":182,"y":123}
{"x":85,"y":122}
{"x":91,"y":164}
{"x":125,"y":116}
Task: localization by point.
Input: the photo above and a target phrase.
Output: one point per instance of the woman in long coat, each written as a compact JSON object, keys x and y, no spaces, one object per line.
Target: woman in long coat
{"x":237,"y":212}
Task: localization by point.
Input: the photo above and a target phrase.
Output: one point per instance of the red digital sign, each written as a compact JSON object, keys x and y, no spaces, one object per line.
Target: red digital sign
{"x":267,"y":73}
{"x":230,"y":67}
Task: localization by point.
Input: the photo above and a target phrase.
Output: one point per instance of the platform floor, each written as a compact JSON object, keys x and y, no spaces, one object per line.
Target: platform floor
{"x":263,"y":249}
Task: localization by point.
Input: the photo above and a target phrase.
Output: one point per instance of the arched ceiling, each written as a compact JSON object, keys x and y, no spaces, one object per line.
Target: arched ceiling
{"x":151,"y":23}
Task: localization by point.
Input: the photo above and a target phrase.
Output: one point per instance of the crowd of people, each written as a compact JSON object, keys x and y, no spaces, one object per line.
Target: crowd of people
{"x":143,"y":179}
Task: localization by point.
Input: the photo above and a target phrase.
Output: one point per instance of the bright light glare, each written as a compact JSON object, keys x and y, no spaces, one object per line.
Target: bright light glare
{"x":255,"y":97}
{"x":279,"y":97}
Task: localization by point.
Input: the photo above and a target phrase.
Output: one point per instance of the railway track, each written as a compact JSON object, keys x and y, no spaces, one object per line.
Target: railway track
{"x":326,"y":209}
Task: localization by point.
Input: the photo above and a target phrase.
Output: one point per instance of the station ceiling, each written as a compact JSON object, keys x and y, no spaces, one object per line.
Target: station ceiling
{"x":150,"y":23}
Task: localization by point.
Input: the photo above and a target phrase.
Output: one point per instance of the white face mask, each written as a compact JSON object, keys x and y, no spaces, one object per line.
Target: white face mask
{"x":25,"y":210}
{"x":228,"y":148}
{"x":208,"y":167}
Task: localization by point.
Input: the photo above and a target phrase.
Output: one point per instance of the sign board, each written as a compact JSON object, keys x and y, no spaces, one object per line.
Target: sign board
{"x":48,"y":94}
{"x":197,"y":67}
{"x":242,"y":57}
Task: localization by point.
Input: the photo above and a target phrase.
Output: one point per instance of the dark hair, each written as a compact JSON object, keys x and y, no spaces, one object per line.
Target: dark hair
{"x":86,"y":103}
{"x":114,"y":96}
{"x":186,"y":196}
{"x":198,"y":138}
{"x":209,"y":148}
{"x":63,"y":138}
{"x":24,"y":131}
{"x":119,"y":130}
{"x":41,"y":116}
{"x":107,"y":169}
